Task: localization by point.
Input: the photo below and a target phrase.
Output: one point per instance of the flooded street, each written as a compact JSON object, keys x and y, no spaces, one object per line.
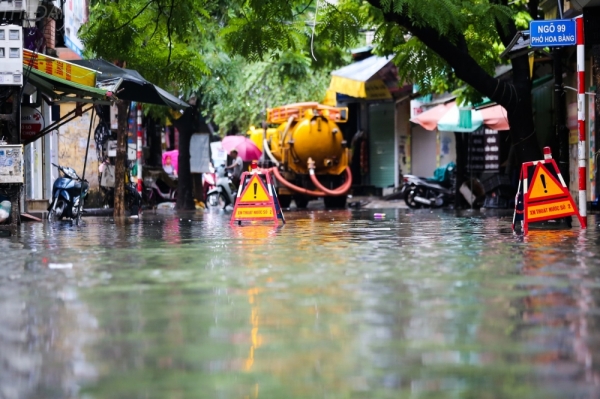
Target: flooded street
{"x":335,"y":304}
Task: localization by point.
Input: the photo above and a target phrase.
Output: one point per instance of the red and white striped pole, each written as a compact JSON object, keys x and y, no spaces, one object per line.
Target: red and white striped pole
{"x":581,"y":147}
{"x":139,"y":148}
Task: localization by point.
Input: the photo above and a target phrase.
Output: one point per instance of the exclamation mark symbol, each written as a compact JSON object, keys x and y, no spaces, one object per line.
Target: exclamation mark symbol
{"x":256,"y":186}
{"x":541,"y":177}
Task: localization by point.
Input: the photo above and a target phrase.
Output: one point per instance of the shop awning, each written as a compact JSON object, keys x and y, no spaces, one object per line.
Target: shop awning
{"x":130,"y":85}
{"x":363,"y":79}
{"x":450,"y":118}
{"x":495,"y":117}
{"x":61,"y":90}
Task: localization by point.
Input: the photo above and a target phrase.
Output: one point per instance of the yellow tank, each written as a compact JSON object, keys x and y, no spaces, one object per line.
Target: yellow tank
{"x":312,"y":133}
{"x":256,"y":135}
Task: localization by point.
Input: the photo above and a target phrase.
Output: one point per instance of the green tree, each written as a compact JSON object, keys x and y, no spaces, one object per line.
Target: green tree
{"x":238,"y":90}
{"x":237,"y":93}
{"x":159,"y":39}
{"x":438,"y":44}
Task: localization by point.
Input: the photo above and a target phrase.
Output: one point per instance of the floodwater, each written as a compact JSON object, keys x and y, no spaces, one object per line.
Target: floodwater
{"x":335,"y":304}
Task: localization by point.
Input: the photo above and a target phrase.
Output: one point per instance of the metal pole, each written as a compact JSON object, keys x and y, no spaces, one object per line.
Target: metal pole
{"x":87,"y":149}
{"x":581,"y":148}
{"x":139,"y":148}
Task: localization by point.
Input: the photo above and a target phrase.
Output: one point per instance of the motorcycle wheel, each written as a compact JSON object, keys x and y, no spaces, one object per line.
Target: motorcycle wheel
{"x":79,"y":211}
{"x":409,"y":198}
{"x":149,"y":199}
{"x":53,"y":214}
{"x":133,"y":200}
{"x":216,"y":201}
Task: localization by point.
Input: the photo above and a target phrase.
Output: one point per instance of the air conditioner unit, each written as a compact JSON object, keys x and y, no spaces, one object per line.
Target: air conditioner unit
{"x":13,"y":5}
{"x":11,"y":55}
{"x":11,"y":163}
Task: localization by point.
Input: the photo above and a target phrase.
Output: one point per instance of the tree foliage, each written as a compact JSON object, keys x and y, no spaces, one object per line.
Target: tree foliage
{"x":237,"y":93}
{"x":158,"y":38}
{"x":438,"y":44}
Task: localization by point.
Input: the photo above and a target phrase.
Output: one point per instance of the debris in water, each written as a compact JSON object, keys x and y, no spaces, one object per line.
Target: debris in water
{"x":60,"y":265}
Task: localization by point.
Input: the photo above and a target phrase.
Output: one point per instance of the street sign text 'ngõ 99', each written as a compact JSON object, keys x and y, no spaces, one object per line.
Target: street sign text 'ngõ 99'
{"x":552,"y":33}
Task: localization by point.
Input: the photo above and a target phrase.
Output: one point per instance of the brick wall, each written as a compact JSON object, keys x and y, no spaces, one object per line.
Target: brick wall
{"x":50,"y":33}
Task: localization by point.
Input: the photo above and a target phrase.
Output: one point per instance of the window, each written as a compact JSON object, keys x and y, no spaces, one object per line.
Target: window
{"x":13,"y":34}
{"x":14,"y":53}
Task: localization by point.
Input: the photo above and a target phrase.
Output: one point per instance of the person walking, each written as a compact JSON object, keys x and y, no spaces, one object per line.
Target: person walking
{"x":236,"y":166}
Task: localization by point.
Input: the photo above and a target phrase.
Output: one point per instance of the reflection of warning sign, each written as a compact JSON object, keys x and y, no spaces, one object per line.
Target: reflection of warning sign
{"x":254,"y":192}
{"x":546,"y":198}
{"x":257,"y":199}
{"x":544,"y":184}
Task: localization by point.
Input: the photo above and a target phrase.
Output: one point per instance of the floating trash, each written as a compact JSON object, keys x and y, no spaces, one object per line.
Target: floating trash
{"x":60,"y":265}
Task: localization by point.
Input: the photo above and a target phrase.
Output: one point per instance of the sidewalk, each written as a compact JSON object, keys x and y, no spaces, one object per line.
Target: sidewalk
{"x":373,"y":202}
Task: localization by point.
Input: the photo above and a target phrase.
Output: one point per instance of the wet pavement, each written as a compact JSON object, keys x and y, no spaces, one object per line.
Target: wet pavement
{"x":335,"y":304}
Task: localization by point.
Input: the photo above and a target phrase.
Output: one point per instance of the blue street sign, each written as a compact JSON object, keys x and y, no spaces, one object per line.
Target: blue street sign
{"x":552,"y":33}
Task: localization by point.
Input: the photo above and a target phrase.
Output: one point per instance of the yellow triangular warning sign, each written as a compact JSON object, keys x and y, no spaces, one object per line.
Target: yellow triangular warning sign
{"x":254,"y":192}
{"x":544,"y":184}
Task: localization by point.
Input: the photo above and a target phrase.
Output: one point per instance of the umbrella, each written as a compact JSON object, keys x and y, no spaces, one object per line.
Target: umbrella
{"x":450,"y":118}
{"x":244,"y":146}
{"x":174,"y":159}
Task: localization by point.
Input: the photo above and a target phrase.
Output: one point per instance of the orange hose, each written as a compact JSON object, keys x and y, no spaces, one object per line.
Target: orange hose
{"x":343,"y":189}
{"x":292,"y":186}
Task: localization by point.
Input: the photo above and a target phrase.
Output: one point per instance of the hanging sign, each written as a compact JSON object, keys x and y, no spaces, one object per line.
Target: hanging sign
{"x":32,"y":123}
{"x":545,"y":196}
{"x":256,"y":199}
{"x":59,"y":68}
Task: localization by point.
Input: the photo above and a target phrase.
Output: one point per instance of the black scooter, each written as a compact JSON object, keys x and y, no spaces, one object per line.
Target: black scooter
{"x":68,"y":194}
{"x":420,"y":192}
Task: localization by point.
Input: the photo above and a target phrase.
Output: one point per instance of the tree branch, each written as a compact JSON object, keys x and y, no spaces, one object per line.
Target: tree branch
{"x":304,"y":10}
{"x":157,"y":20}
{"x":136,"y":15}
{"x":169,"y":31}
{"x":456,"y":54}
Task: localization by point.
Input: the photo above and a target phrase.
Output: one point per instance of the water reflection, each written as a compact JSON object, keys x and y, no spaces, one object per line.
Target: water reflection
{"x":333,"y":304}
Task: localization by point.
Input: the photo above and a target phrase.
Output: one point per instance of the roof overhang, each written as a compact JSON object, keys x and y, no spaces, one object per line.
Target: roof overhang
{"x":365,"y":79}
{"x":62,"y":91}
{"x":132,"y":85}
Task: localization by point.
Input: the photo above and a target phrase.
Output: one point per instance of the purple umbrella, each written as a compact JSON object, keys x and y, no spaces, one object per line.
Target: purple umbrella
{"x":244,"y":146}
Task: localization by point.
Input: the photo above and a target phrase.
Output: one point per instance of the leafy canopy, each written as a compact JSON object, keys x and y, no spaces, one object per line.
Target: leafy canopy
{"x":158,"y":38}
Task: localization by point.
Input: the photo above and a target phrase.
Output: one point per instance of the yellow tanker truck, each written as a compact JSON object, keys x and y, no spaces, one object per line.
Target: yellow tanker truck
{"x":309,"y":153}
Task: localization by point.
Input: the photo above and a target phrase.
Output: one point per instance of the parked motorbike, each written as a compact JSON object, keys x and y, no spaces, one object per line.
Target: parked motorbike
{"x":433,"y":192}
{"x":209,"y":182}
{"x":133,"y":199}
{"x":224,"y":193}
{"x":156,"y":191}
{"x":68,"y":195}
{"x":421,"y":192}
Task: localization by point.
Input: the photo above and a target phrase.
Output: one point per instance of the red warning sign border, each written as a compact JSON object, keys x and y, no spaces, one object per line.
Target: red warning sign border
{"x":566,"y":196}
{"x":273,"y":201}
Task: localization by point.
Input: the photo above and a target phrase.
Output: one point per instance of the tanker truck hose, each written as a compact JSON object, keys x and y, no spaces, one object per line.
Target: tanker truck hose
{"x":269,"y":153}
{"x":341,"y":190}
{"x":292,"y":186}
{"x":285,"y":131}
